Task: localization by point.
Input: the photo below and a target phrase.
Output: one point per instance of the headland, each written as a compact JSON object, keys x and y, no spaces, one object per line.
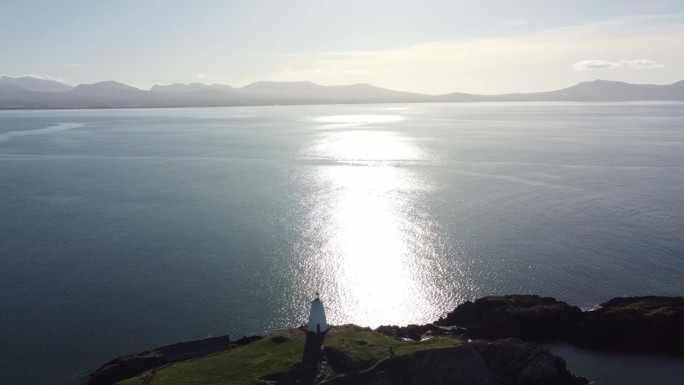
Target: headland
{"x":493,"y":340}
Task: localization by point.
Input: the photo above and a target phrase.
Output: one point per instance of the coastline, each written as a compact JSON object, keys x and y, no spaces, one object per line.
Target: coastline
{"x":650,"y":325}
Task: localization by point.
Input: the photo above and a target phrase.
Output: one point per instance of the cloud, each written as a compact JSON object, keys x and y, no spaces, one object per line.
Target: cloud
{"x":642,"y":63}
{"x":521,"y":63}
{"x":201,"y":76}
{"x":594,"y":64}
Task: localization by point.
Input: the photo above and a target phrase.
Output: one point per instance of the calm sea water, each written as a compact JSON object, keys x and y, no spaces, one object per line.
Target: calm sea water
{"x":121,"y":230}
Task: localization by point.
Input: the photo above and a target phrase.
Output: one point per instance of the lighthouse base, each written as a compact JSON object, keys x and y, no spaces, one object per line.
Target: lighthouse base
{"x":311,"y":357}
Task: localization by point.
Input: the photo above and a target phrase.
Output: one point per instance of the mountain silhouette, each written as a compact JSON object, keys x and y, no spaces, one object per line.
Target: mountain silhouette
{"x":30,"y":83}
{"x":32,"y":93}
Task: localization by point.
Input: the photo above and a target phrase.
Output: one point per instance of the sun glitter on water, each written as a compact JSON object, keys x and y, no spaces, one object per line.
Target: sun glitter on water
{"x":365,"y":223}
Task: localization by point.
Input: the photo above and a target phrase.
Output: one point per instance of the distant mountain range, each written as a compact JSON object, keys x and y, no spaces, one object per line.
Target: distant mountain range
{"x":29,"y":83}
{"x":32,"y":93}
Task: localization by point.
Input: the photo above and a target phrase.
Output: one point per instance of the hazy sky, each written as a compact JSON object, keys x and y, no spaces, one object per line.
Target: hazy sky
{"x":430,"y":46}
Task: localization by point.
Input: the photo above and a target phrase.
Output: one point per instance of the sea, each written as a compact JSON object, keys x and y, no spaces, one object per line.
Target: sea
{"x":126,"y":229}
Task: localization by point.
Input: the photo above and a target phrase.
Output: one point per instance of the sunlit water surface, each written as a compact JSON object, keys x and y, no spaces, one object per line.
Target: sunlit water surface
{"x":121,"y":230}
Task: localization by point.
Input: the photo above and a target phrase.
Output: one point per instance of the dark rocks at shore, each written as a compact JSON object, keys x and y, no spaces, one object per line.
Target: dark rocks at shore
{"x":512,"y":361}
{"x":639,"y":324}
{"x":648,"y":324}
{"x":125,"y":367}
{"x":503,"y":362}
{"x":414,"y":332}
{"x":529,"y":317}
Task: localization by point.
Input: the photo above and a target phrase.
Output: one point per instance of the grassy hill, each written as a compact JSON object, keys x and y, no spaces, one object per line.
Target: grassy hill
{"x":353,"y":348}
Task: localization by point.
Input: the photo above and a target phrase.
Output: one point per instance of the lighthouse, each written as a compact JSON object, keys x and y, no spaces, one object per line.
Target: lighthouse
{"x":316,"y":328}
{"x":317,"y":322}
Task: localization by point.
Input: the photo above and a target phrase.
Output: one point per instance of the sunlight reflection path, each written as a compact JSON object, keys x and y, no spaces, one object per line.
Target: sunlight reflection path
{"x":376,"y":243}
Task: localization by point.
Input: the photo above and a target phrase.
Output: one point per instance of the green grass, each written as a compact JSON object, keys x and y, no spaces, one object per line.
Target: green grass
{"x":239,"y":366}
{"x":647,"y":307}
{"x":366,"y":345}
{"x":244,"y":365}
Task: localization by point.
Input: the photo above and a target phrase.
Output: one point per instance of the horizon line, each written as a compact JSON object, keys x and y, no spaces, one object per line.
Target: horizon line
{"x":144,"y":89}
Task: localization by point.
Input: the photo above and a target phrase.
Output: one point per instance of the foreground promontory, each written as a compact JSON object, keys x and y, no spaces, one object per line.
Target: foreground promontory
{"x":636,"y":324}
{"x":489,"y":341}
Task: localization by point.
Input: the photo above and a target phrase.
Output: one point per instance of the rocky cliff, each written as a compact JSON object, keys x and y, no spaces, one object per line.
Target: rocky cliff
{"x":648,"y":324}
{"x":502,"y":362}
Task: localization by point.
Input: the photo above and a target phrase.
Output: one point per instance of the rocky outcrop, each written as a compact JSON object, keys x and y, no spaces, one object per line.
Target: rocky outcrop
{"x":529,"y":317}
{"x":412,"y":331}
{"x":126,"y":366}
{"x":505,"y":362}
{"x":512,"y":361}
{"x":638,"y":324}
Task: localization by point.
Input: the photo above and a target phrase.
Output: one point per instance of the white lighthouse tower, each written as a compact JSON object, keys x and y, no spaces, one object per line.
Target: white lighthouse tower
{"x":317,"y":322}
{"x":316,"y":328}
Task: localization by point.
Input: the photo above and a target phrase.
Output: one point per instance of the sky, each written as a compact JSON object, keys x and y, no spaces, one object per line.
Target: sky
{"x":427,"y":46}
